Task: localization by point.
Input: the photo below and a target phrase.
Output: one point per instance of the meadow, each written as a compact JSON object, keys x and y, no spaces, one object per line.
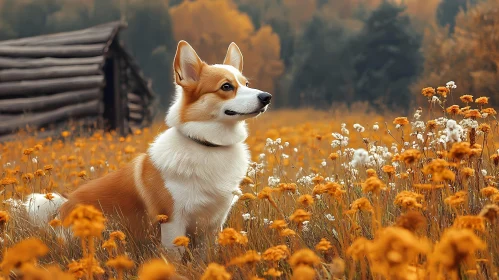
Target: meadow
{"x":337,"y":194}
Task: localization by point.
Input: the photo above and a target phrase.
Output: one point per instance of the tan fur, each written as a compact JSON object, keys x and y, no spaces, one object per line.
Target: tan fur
{"x":116,"y":194}
{"x":208,"y":88}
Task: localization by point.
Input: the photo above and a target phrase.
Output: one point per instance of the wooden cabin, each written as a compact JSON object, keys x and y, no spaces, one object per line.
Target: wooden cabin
{"x":86,"y":76}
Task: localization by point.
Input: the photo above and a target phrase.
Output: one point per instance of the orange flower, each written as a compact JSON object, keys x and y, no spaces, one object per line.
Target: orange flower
{"x":323,"y":245}
{"x":287,"y":187}
{"x":407,"y":199}
{"x":158,"y":269}
{"x":304,"y":257}
{"x":55,"y":223}
{"x":230,"y":236}
{"x":65,"y":134}
{"x":299,"y":216}
{"x":389,"y":169}
{"x":460,"y":150}
{"x":453,"y":110}
{"x":410,"y":156}
{"x":121,"y":262}
{"x":443,"y":91}
{"x":489,"y":191}
{"x":266,"y":193}
{"x":482,"y":100}
{"x":26,"y":251}
{"x":214,"y":271}
{"x":272,"y":272}
{"x":251,"y":257}
{"x":278,"y":224}
{"x":333,"y":156}
{"x":306,"y":200}
{"x":474,"y":114}
{"x":470,"y":222}
{"x":276,"y":253}
{"x":489,"y":111}
{"x":401,"y":121}
{"x":117,"y":235}
{"x":181,"y":241}
{"x":457,"y":199}
{"x":86,"y":221}
{"x":374,"y":185}
{"x":428,"y":91}
{"x":247,"y":196}
{"x":162,"y":219}
{"x":303,"y":272}
{"x":287,"y":232}
{"x":466,"y":98}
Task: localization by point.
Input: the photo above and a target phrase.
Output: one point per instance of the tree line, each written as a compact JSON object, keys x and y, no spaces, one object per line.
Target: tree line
{"x":306,"y":52}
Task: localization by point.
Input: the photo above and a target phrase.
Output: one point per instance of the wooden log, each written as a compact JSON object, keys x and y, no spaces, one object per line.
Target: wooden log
{"x":133,"y":107}
{"x":52,"y":51}
{"x":30,"y":88}
{"x":47,"y":102}
{"x":107,"y":27}
{"x":49,"y":72}
{"x":134,"y":98}
{"x":91,"y":108}
{"x":7,"y":63}
{"x":97,"y":36}
{"x":136,"y":116}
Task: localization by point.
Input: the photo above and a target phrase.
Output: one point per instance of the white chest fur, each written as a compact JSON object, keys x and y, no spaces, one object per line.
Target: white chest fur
{"x":201,"y":179}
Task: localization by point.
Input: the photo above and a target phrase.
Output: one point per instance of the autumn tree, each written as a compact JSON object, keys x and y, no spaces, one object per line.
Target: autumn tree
{"x":213,"y":24}
{"x":469,"y":56}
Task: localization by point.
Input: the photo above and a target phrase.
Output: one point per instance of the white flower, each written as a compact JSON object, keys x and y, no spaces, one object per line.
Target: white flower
{"x":358,"y":127}
{"x":360,"y":157}
{"x":451,"y":84}
{"x":330,"y":217}
{"x":435,"y":99}
{"x":344,"y":129}
{"x":323,"y":163}
{"x":278,"y":141}
{"x":246,"y":216}
{"x":285,"y":156}
{"x":453,"y":131}
{"x":420,"y":137}
{"x":484,"y":172}
{"x":376,"y":127}
{"x":286,"y":144}
{"x":273,"y":181}
{"x":92,"y":169}
{"x":269,"y":142}
{"x":261,"y":156}
{"x":34,"y":160}
{"x":397,"y":126}
{"x":266,"y":221}
{"x":305,"y":226}
{"x":295,"y":150}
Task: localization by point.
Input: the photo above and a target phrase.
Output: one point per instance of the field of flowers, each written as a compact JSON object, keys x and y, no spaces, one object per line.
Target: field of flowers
{"x":342,"y":194}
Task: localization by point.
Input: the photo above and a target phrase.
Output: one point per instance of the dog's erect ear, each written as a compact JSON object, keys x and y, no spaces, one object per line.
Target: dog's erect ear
{"x":187,"y":64}
{"x":234,"y":57}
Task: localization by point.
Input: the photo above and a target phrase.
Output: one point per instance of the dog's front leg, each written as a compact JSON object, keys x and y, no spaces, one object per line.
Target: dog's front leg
{"x":171,"y":230}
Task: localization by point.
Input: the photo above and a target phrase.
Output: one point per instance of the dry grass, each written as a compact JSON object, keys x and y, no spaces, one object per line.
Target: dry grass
{"x":412,"y":205}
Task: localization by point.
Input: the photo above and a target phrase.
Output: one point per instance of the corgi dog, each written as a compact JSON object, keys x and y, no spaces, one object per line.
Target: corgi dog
{"x":192,"y":171}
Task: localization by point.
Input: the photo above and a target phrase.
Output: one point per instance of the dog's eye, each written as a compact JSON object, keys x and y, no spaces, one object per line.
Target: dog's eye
{"x":227,"y":87}
{"x":247,"y":84}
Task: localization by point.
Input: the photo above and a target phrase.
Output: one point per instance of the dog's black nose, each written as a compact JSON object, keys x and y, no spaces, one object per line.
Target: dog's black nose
{"x":264,"y":97}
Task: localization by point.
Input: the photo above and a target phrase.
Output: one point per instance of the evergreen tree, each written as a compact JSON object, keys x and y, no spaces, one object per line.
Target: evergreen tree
{"x":322,"y":71}
{"x":388,"y":58}
{"x":448,"y":9}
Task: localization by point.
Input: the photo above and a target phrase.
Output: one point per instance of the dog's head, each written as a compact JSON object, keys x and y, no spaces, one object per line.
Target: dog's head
{"x":215,"y":93}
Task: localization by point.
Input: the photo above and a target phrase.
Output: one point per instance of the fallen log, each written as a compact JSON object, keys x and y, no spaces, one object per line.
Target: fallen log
{"x":30,"y":88}
{"x":136,"y":116}
{"x":134,"y":107}
{"x":49,"y":72}
{"x":47,"y":102}
{"x":91,"y":108}
{"x":8,"y":63}
{"x":52,"y":51}
{"x":134,"y":98}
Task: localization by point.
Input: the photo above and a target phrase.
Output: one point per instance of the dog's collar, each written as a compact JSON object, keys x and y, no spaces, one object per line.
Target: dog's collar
{"x":204,"y":142}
